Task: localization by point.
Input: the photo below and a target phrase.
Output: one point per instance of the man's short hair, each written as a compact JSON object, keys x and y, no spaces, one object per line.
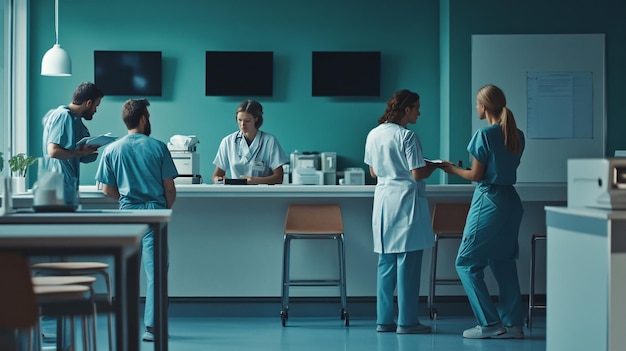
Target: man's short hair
{"x":86,"y":91}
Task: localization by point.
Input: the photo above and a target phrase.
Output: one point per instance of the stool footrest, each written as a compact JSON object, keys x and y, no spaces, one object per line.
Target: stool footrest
{"x":447,"y":282}
{"x":314,"y":282}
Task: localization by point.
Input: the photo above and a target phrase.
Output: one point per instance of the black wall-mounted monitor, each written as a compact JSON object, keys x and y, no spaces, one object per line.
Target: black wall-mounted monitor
{"x":346,"y":73}
{"x":128,"y":73}
{"x":239,"y":73}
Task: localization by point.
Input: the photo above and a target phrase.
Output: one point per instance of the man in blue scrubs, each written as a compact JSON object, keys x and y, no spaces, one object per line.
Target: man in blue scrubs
{"x":63,"y":128}
{"x":139,"y":172}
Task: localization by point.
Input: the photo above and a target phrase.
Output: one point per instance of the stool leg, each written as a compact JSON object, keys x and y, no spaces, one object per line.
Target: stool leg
{"x":342,"y":283}
{"x":85,"y":331}
{"x":107,"y":279}
{"x":531,"y":293}
{"x":94,"y":320}
{"x":285,"y":288}
{"x":433,"y":278}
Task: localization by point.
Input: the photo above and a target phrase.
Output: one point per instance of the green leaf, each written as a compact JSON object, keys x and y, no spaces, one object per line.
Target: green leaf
{"x":19,"y":164}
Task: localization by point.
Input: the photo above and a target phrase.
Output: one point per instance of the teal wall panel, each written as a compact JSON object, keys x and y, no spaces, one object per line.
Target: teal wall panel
{"x":535,"y":17}
{"x":412,"y":36}
{"x":406,"y":33}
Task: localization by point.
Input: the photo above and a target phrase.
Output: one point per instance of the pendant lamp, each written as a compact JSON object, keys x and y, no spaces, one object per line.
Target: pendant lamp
{"x":56,"y":62}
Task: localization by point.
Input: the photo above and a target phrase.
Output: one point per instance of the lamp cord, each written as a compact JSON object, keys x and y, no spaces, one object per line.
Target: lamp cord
{"x":56,"y":20}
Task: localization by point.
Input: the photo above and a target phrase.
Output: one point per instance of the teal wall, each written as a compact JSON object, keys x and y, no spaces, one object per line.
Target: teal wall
{"x":425,"y":45}
{"x":404,"y":31}
{"x":535,"y":17}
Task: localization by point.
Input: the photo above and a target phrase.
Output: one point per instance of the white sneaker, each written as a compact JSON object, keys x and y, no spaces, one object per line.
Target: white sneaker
{"x":512,"y":332}
{"x":480,"y":332}
{"x":148,"y":335}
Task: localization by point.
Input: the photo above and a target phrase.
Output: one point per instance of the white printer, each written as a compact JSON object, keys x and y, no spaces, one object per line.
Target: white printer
{"x":597,"y":182}
{"x":187,"y":161}
{"x":307,"y":176}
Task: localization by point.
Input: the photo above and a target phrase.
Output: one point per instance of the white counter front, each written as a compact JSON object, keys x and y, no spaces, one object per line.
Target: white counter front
{"x":227,"y":240}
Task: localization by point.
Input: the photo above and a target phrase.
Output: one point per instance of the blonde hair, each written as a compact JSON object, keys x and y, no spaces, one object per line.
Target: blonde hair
{"x":494,"y":101}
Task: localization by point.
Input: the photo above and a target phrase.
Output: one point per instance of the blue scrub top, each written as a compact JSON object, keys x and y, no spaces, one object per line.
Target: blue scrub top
{"x":493,"y":222}
{"x":137,"y":165}
{"x":65,"y":129}
{"x":487,"y":146}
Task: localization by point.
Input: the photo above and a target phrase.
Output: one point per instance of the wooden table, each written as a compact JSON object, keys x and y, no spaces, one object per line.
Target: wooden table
{"x":157,"y":220}
{"x":123,"y":242}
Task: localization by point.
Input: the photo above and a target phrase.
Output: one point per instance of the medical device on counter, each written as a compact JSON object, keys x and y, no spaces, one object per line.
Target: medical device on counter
{"x":599,"y":183}
{"x":313,"y":168}
{"x":307,"y":176}
{"x":187,"y":161}
{"x":329,"y":167}
{"x":354,"y":176}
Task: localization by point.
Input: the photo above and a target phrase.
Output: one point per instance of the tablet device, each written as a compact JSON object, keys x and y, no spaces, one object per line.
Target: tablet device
{"x":236,"y":181}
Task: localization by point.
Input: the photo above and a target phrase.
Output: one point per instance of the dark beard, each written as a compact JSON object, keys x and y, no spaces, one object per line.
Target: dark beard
{"x":147,"y":129}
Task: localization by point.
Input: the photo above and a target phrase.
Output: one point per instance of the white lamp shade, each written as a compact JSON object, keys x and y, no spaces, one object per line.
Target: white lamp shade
{"x":56,"y":62}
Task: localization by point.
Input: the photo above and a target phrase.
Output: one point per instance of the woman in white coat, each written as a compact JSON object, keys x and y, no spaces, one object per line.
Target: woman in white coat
{"x":250,"y":153}
{"x":401,"y":221}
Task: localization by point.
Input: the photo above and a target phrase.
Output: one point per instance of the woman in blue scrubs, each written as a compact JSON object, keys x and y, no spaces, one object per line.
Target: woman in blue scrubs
{"x":493,"y":221}
{"x":401,"y":221}
{"x":250,"y":153}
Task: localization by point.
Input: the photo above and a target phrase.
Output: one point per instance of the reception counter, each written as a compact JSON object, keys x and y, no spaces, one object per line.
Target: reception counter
{"x":227,"y":240}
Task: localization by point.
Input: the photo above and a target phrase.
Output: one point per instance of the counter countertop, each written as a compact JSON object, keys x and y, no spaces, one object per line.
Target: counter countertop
{"x":528,"y":191}
{"x":588,"y":212}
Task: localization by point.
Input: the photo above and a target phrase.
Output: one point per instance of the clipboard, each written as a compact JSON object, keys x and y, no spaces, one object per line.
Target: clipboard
{"x":98,"y":141}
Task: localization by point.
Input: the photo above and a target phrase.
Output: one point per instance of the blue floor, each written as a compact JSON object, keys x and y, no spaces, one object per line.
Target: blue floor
{"x":324,"y":333}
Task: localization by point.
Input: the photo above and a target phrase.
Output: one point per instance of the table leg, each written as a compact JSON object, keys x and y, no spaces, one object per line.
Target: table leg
{"x":160,"y":287}
{"x":131,"y":271}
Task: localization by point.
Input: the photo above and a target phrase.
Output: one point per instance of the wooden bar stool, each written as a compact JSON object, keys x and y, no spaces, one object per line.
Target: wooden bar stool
{"x":313,"y":222}
{"x":532,"y":305}
{"x":81,"y":268}
{"x":21,"y":302}
{"x":85,"y":280}
{"x":66,"y":301}
{"x":448,"y":220}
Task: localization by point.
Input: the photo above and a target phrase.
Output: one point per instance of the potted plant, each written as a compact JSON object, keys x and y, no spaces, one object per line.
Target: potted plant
{"x":19,"y":165}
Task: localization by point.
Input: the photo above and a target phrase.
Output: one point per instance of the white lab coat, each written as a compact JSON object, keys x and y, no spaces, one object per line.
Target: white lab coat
{"x":257,"y":160}
{"x":400,"y":218}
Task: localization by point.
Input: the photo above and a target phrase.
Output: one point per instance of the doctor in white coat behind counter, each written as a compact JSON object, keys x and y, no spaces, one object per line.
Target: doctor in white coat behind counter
{"x":250,"y":153}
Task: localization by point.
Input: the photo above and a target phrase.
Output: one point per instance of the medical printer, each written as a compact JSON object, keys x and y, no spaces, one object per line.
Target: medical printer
{"x":597,"y":183}
{"x":305,"y":168}
{"x":186,"y":159}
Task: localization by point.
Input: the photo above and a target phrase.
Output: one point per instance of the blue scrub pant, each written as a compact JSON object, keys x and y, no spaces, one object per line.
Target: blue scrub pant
{"x":405,"y":270}
{"x":147,"y":258}
{"x":471,"y":273}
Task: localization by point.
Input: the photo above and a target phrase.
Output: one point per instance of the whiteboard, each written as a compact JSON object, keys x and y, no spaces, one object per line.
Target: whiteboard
{"x":506,"y":60}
